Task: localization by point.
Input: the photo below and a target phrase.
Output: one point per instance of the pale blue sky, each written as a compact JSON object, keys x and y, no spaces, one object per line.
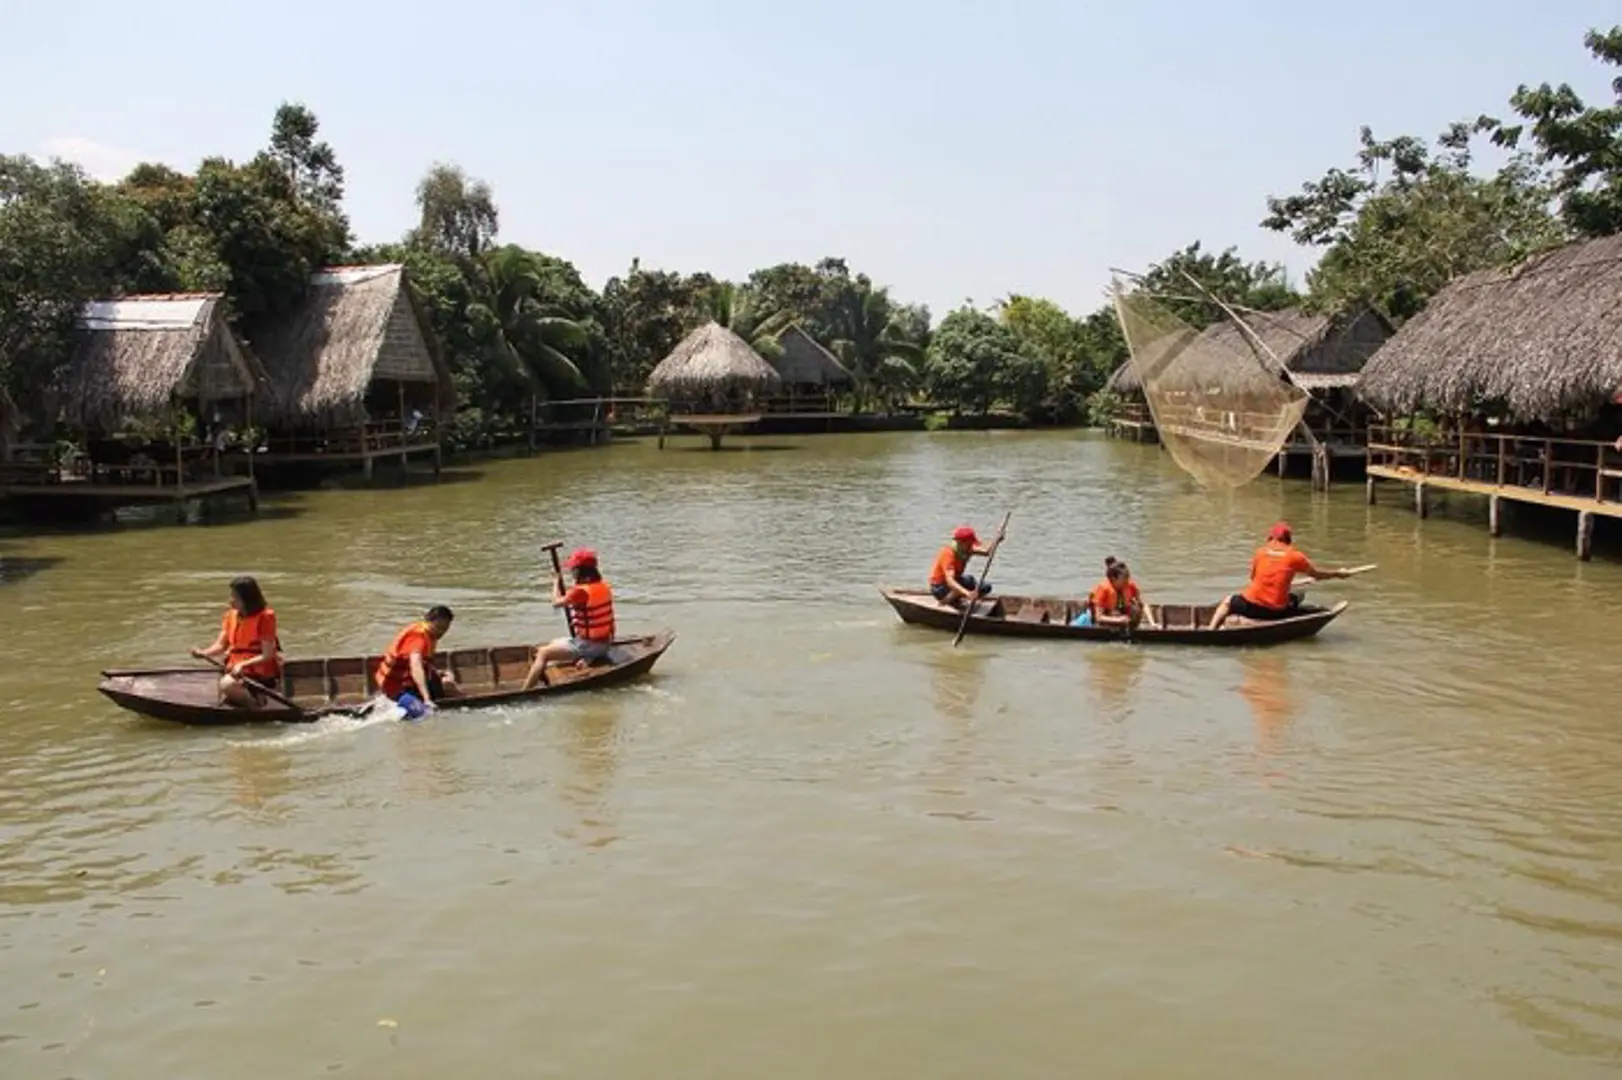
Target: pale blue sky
{"x":951,"y":150}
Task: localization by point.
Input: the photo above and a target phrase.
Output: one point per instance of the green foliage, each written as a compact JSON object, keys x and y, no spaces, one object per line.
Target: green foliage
{"x":744,"y":313}
{"x":1408,"y":219}
{"x":644,"y":315}
{"x":1258,"y":286}
{"x":975,"y":362}
{"x":1581,"y":142}
{"x":456,"y":215}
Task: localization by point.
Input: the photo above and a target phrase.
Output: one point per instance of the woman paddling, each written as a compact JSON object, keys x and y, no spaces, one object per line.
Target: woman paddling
{"x":248,"y":645}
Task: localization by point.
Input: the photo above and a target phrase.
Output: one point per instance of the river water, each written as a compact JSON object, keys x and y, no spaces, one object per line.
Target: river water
{"x":816,"y":842}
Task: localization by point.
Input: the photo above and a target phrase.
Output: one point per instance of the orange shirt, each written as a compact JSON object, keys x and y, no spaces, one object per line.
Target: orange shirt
{"x":1106,"y":599}
{"x":948,"y":566}
{"x":394,"y":673}
{"x":1271,"y":572}
{"x":246,"y":637}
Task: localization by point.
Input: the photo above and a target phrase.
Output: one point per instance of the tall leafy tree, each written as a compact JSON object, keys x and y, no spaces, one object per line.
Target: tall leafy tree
{"x":974,"y":361}
{"x":873,"y":342}
{"x":456,"y":214}
{"x":645,"y":313}
{"x":1261,"y":286}
{"x":1581,"y":142}
{"x":310,"y":163}
{"x":743,"y":312}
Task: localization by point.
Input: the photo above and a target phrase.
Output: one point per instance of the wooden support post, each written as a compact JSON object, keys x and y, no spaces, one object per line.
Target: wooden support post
{"x":664,"y":425}
{"x":366,"y":463}
{"x":1493,"y":507}
{"x":715,"y":434}
{"x":253,"y":495}
{"x":1502,"y":442}
{"x":534,"y":419}
{"x":1320,"y":467}
{"x":1283,"y":463}
{"x":1368,"y":486}
{"x":1585,"y":534}
{"x":1420,"y":506}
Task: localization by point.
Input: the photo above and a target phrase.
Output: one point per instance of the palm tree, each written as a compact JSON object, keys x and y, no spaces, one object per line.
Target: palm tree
{"x":741,"y":311}
{"x":873,"y":344}
{"x":530,"y":336}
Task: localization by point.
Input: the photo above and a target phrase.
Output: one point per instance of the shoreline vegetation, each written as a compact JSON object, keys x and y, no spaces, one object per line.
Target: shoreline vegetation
{"x":514,"y":325}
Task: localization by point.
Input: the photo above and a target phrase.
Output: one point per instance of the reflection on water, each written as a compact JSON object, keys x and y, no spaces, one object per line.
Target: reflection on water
{"x":817,"y":842}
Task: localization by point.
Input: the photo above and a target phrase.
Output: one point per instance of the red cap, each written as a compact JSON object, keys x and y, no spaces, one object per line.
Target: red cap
{"x":581,"y":557}
{"x":1281,"y":531}
{"x":965,"y":534}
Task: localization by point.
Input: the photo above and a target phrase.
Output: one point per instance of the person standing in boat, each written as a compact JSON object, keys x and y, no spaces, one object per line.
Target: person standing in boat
{"x":248,"y":645}
{"x":590,"y":607}
{"x":1272,"y":571}
{"x":408,"y":668}
{"x":1116,"y":601}
{"x":947,"y":581}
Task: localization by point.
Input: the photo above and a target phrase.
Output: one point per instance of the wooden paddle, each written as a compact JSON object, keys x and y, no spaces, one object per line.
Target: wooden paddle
{"x":273,"y":695}
{"x":968,"y":609}
{"x":1351,"y":572}
{"x":557,"y":571}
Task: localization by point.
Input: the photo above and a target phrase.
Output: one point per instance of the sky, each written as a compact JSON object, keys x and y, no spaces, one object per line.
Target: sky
{"x":952,"y":151}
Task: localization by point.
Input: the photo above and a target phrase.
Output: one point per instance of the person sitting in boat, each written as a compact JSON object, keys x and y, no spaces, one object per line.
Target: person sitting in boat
{"x":947,"y":581}
{"x":248,"y":646}
{"x":1272,"y":571}
{"x":406,"y":675}
{"x":590,"y":606}
{"x":1116,"y":601}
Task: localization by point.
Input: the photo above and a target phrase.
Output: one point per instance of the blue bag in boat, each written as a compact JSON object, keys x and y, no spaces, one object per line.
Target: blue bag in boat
{"x":1084,"y":619}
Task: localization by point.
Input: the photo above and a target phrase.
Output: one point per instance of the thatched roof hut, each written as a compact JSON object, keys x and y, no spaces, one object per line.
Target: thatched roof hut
{"x":712,"y":362}
{"x":139,"y":354}
{"x":1540,"y":340}
{"x":804,"y":362}
{"x":1320,"y":351}
{"x":359,"y":328}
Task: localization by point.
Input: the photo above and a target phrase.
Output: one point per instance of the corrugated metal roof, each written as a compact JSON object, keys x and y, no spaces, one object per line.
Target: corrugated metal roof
{"x":354,"y":275}
{"x":146,"y":312}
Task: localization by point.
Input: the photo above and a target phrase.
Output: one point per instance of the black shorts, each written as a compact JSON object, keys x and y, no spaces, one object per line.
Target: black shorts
{"x":1238,"y":605}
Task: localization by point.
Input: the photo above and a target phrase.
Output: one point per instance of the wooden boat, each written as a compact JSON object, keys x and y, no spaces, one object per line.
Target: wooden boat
{"x":1049,"y":617}
{"x":340,"y":684}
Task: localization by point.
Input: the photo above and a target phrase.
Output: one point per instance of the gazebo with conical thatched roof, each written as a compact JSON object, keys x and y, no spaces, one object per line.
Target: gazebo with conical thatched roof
{"x":711,"y":381}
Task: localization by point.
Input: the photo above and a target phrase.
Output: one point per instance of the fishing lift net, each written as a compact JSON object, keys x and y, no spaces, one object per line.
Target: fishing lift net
{"x":1222,"y":404}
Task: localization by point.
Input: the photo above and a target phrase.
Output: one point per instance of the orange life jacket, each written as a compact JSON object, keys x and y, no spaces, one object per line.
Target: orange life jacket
{"x":245,"y":639}
{"x":593,"y":620}
{"x":395,"y":670}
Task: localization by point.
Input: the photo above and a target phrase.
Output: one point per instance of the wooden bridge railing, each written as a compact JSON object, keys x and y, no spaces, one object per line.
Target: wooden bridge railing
{"x":113,"y":463}
{"x":380,"y":435}
{"x":1580,"y":468}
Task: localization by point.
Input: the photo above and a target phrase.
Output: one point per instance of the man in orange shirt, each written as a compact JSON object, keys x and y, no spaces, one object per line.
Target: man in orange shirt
{"x":947,"y":581}
{"x":408,"y":665}
{"x":1272,"y":570}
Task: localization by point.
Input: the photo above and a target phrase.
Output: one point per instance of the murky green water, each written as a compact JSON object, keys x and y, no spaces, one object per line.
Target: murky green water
{"x":817,"y":843}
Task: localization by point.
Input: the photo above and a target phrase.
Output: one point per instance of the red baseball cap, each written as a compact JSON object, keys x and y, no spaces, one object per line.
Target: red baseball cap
{"x":965,"y":534}
{"x":581,"y":557}
{"x":1281,"y":531}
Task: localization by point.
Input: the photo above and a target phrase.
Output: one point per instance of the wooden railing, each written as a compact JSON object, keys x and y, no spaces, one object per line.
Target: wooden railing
{"x":112,"y":463}
{"x":1580,"y":468}
{"x":1133,"y":412}
{"x":382,"y":435}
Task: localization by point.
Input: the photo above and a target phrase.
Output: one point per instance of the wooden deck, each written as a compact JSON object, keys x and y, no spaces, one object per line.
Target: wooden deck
{"x":363,"y":446}
{"x":714,"y":425}
{"x":1579,"y":475}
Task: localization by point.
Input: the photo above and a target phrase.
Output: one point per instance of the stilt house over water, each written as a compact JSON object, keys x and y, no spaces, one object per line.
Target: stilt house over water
{"x":1325,"y":355}
{"x":812,"y":376}
{"x":714,"y":382}
{"x":1509,"y":385}
{"x":157,"y":388}
{"x":355,"y":372}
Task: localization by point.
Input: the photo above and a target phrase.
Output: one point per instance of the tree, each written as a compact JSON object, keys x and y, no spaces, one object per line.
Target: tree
{"x":645,"y":314}
{"x":64,"y":240}
{"x":532,"y":333}
{"x":1582,"y":142}
{"x":974,"y":361}
{"x":811,"y":295}
{"x":312,"y":167}
{"x":1407,"y":220}
{"x":872,"y":342}
{"x":1047,"y":333}
{"x":1260,"y":286}
{"x":743,"y":312}
{"x":457,"y":215}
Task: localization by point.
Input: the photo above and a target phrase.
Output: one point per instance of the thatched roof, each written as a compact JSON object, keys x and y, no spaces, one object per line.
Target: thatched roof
{"x":1541,"y":339}
{"x":804,"y":362}
{"x":135,"y":355}
{"x":356,"y":325}
{"x":1321,"y":351}
{"x":711,"y":359}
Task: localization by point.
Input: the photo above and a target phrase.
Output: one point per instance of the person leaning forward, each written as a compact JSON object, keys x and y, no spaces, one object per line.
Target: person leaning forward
{"x":947,"y":581}
{"x":1272,"y":571}
{"x":408,"y":665}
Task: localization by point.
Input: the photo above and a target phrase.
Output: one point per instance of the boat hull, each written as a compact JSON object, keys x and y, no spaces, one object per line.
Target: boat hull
{"x":1049,"y":617}
{"x":333,"y":685}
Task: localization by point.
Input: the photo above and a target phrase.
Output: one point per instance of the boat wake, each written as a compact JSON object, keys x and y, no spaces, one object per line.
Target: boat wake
{"x":379,"y":711}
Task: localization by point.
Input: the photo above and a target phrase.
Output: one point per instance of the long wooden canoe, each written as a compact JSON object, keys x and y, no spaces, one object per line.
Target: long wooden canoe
{"x":324,"y":686}
{"x":1049,"y":617}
